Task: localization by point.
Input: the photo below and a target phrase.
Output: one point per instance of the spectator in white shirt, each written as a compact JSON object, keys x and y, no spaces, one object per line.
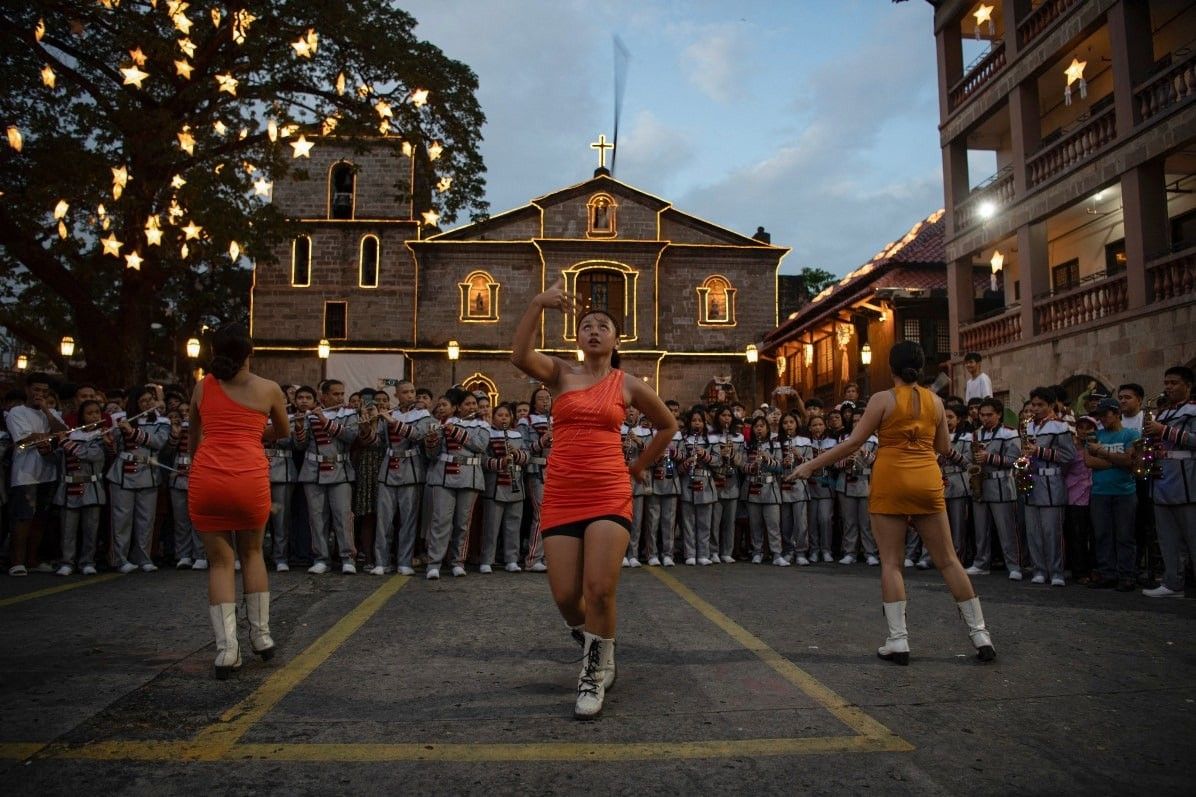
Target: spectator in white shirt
{"x":33,"y":474}
{"x":1130,"y":397}
{"x":979,"y":385}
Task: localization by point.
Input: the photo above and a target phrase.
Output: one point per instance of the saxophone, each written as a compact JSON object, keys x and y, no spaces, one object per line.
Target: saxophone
{"x":1148,"y":453}
{"x":1023,"y":478}
{"x":976,"y":470}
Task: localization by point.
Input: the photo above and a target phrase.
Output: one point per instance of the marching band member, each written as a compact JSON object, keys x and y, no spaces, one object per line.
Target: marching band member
{"x":822,"y":501}
{"x":1173,"y":434}
{"x":187,"y":545}
{"x":637,"y":434}
{"x":134,"y":477}
{"x":727,"y":446}
{"x":283,"y":478}
{"x":33,"y":474}
{"x":661,"y":514}
{"x":455,"y":478}
{"x":400,"y":481}
{"x":1051,"y":448}
{"x":763,"y":465}
{"x":698,"y":496}
{"x":80,"y":490}
{"x":995,"y":507}
{"x":852,"y":486}
{"x":367,"y":461}
{"x":537,"y":434}
{"x":502,"y":501}
{"x":955,"y":467}
{"x":795,"y":495}
{"x":325,"y":434}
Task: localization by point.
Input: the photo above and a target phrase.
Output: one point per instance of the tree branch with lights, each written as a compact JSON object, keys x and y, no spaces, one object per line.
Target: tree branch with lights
{"x":144,"y":139}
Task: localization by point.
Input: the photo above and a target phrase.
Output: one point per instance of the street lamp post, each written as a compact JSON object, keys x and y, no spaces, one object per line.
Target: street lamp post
{"x":67,"y":347}
{"x":22,"y":362}
{"x":454,"y":353}
{"x":752,"y":355}
{"x":323,"y":349}
{"x":866,"y":361}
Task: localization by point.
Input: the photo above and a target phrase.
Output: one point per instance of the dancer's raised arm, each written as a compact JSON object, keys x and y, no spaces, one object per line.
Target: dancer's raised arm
{"x":523,"y":351}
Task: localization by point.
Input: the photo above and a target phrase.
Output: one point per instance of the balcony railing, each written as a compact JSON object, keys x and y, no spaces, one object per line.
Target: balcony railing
{"x":1072,"y":149}
{"x":1173,"y":275}
{"x":1082,"y":304}
{"x":976,"y":76}
{"x":1168,"y":89}
{"x":998,"y":189}
{"x":992,"y":332}
{"x":1040,"y":19}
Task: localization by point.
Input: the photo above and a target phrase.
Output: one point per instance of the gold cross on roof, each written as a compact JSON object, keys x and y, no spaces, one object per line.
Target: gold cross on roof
{"x":602,"y":145}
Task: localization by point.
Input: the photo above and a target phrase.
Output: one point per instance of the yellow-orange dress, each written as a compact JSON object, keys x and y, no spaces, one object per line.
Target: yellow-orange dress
{"x":906,"y":479}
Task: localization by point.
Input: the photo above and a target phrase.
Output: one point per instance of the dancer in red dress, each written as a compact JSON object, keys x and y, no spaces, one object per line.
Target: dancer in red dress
{"x":586,"y":514}
{"x":229,"y":490}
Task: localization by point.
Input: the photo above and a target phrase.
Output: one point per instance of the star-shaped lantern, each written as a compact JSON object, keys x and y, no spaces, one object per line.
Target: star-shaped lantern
{"x":307,"y":44}
{"x":133,"y":261}
{"x":111,"y":245}
{"x":120,"y":178}
{"x":192,"y":231}
{"x":48,"y":77}
{"x":302,"y":147}
{"x":133,"y":76}
{"x":183,"y":68}
{"x":227,"y":83}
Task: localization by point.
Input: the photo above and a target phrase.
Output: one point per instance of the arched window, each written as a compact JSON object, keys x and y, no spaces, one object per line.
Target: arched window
{"x":367,"y":270}
{"x":301,"y":262}
{"x":603,"y":285}
{"x":716,"y":302}
{"x":479,"y":382}
{"x":601,"y":211}
{"x":479,"y":297}
{"x":603,"y":289}
{"x":341,"y":194}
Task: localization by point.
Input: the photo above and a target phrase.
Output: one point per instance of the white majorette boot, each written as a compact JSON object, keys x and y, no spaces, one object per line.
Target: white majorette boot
{"x":970,"y":611}
{"x":896,"y":647}
{"x":257,"y":608}
{"x":608,"y":673}
{"x":228,"y":652}
{"x":597,"y":662}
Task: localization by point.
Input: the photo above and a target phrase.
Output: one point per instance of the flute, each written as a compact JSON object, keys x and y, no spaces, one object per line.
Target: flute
{"x":53,"y":436}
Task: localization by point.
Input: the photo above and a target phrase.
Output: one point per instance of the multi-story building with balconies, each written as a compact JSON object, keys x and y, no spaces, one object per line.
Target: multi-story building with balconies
{"x":1068,"y":131}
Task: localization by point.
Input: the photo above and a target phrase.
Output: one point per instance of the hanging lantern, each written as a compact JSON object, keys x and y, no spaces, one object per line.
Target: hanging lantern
{"x":67,"y":346}
{"x":997,"y":262}
{"x":752,"y":354}
{"x":984,"y":13}
{"x":22,"y":362}
{"x":1075,"y":74}
{"x":324,"y":348}
{"x":808,"y":353}
{"x":193,"y":348}
{"x":866,"y":355}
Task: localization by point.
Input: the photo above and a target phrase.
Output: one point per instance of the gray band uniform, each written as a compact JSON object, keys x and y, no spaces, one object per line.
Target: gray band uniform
{"x":795,"y":497}
{"x":763,"y":468}
{"x":660,"y":516}
{"x":80,"y":494}
{"x":698,"y":497}
{"x":401,"y":479}
{"x":133,"y":495}
{"x":534,"y":428}
{"x":852,"y":492}
{"x":327,"y":475}
{"x":1045,"y":503}
{"x":727,"y":472}
{"x":283,"y":478}
{"x":822,"y":502}
{"x":996,"y":506}
{"x":502,"y":500}
{"x":455,"y":480}
{"x":1174,"y":492}
{"x":187,"y":544}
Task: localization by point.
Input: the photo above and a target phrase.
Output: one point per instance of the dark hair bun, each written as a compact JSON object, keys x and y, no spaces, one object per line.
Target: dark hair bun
{"x":223,"y":367}
{"x":909,"y":374}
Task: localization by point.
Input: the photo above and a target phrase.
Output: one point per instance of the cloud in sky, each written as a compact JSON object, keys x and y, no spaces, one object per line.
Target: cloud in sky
{"x":816,"y":120}
{"x":717,"y":62}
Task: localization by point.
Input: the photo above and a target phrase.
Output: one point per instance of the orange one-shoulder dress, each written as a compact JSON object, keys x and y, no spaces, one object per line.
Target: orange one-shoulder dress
{"x":228,"y":487}
{"x":906,"y":479}
{"x":587,"y":475}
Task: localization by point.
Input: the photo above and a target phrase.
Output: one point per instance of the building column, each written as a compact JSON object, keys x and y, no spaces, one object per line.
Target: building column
{"x":961,"y":300}
{"x":950,"y":63}
{"x":1025,"y":130}
{"x":955,"y":178}
{"x":1014,"y":13}
{"x":1132,"y":48}
{"x":1034,"y":268}
{"x":1144,"y":206}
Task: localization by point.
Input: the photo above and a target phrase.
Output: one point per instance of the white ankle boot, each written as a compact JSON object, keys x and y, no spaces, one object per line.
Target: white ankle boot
{"x":970,"y":611}
{"x":257,"y":607}
{"x":597,"y":665}
{"x":228,"y":652}
{"x":896,"y":647}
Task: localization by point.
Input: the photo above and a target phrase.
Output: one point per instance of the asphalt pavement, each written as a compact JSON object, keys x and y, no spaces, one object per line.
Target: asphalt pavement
{"x":732,"y":679}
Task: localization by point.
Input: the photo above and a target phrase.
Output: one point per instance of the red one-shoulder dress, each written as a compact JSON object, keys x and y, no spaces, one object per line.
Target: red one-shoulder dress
{"x":587,"y":475}
{"x":229,"y":483}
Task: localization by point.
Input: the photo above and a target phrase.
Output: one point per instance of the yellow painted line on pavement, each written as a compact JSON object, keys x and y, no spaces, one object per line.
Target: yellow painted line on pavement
{"x":218,"y":738}
{"x":41,"y":593}
{"x":458,"y":753}
{"x":847,"y":713}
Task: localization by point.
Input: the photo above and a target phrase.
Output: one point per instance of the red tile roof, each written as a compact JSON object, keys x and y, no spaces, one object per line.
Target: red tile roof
{"x":923,"y":245}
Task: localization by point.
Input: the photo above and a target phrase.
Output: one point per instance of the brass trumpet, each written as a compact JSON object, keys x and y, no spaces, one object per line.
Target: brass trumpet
{"x":1148,"y":453}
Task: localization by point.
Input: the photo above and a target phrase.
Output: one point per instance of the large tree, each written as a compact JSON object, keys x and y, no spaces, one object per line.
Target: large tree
{"x":143,"y":138}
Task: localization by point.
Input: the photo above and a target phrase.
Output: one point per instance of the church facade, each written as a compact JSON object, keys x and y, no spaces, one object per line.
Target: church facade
{"x":393,"y":300}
